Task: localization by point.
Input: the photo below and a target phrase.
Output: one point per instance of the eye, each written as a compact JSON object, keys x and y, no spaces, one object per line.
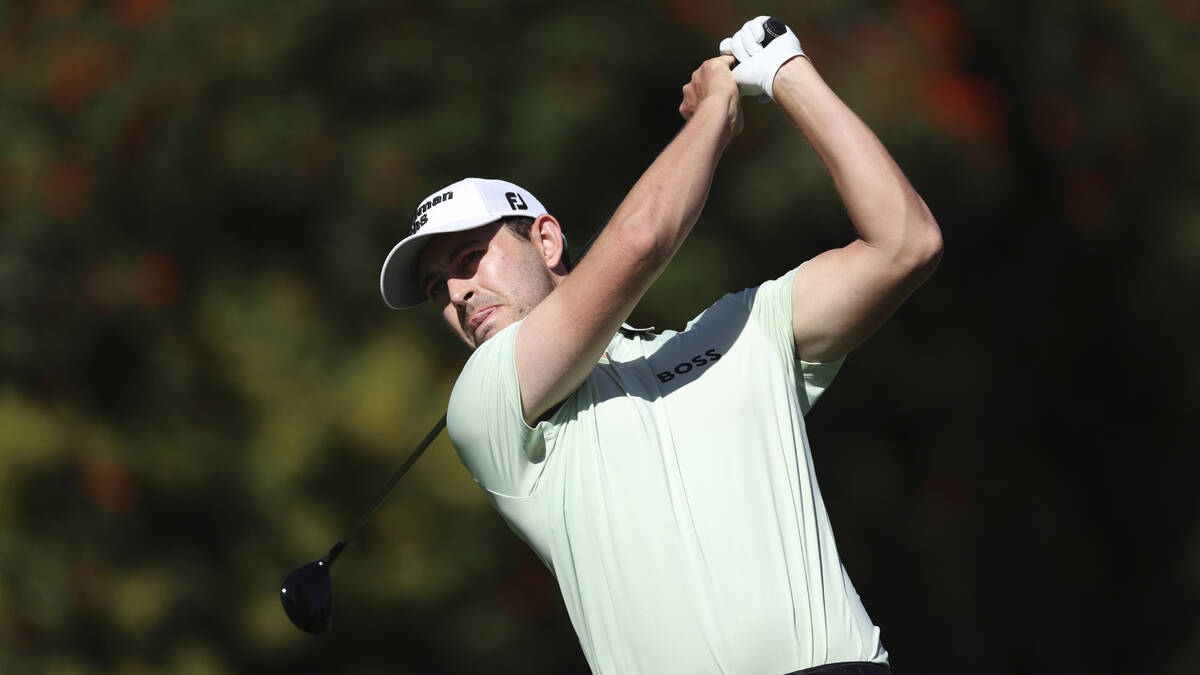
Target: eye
{"x":435,"y":290}
{"x":462,"y":267}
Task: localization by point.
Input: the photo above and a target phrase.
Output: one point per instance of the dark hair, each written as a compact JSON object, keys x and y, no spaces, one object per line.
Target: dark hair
{"x":522,"y":225}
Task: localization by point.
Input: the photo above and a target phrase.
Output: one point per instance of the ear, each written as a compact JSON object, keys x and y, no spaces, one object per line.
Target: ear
{"x":546,"y":235}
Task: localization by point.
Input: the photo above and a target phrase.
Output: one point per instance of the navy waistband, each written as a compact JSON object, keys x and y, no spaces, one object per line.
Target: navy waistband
{"x":855,"y":668}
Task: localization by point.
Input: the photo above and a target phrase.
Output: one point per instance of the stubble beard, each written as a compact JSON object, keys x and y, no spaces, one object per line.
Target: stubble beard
{"x":534,"y":285}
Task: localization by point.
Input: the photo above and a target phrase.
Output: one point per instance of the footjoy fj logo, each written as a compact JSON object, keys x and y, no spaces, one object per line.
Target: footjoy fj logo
{"x":515,"y":201}
{"x":697,"y":361}
{"x":422,"y":217}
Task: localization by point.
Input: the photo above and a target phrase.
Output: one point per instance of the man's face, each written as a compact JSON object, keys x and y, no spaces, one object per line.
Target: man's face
{"x":483,"y":280}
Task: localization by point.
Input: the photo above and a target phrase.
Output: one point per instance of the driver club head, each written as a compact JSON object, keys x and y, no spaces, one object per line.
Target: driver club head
{"x":307,"y":596}
{"x":307,"y":592}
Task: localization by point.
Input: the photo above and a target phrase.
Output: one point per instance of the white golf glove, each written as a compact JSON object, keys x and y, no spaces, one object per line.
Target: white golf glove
{"x":757,"y":65}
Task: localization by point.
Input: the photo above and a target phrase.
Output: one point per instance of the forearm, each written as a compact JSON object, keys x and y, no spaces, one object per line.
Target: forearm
{"x":887,"y":212}
{"x":564,"y":335}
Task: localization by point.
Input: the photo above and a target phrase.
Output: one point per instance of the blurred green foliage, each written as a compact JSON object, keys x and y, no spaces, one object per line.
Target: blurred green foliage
{"x":200,"y":387}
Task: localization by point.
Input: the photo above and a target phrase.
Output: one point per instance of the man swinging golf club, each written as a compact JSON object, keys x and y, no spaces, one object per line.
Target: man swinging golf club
{"x":666,"y":479}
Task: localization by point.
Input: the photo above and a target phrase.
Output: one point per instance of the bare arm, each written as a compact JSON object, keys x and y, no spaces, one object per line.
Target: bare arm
{"x":842,"y":296}
{"x":562,"y":338}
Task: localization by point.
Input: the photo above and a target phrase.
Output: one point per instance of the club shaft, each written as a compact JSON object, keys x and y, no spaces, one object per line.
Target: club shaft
{"x":437,"y":428}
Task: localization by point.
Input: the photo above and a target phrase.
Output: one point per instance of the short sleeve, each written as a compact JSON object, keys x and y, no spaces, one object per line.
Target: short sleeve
{"x":485,"y":423}
{"x":771,"y":309}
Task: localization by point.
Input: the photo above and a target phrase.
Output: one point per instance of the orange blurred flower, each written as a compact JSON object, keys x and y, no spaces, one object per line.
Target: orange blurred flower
{"x":109,"y":485}
{"x":138,"y":13}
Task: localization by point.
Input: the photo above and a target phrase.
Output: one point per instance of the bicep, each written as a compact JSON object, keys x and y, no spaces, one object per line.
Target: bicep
{"x":842,"y":296}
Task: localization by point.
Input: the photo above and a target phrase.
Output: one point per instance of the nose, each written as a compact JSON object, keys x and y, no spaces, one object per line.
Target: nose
{"x":460,"y":290}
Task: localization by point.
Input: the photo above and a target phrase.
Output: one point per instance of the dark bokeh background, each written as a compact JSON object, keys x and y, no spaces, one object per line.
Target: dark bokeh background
{"x":200,"y":387}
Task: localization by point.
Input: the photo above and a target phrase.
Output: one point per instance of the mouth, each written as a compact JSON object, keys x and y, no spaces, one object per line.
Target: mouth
{"x":478,"y":317}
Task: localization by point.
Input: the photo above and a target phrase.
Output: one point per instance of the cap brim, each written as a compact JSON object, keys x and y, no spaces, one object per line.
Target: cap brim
{"x":398,"y":281}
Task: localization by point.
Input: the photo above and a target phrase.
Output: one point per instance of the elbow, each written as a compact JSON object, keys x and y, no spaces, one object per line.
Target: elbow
{"x":921,"y":252}
{"x":930,"y":249}
{"x":641,"y":243}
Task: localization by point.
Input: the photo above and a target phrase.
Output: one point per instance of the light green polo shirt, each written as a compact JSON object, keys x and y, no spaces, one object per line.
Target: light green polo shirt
{"x":673,"y":495}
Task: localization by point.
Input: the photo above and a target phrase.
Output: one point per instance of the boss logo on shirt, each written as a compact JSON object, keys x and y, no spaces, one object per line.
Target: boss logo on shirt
{"x":697,"y":361}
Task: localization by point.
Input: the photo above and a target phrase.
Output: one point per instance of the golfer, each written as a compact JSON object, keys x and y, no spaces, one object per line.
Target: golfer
{"x":665,"y":479}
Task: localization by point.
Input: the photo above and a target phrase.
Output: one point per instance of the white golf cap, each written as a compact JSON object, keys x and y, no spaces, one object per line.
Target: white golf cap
{"x":465,"y":205}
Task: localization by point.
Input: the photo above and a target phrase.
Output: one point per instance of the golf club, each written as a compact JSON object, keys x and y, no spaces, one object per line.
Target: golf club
{"x":307,"y":592}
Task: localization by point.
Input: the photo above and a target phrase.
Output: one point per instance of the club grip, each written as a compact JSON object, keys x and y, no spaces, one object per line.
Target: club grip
{"x":774,"y":28}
